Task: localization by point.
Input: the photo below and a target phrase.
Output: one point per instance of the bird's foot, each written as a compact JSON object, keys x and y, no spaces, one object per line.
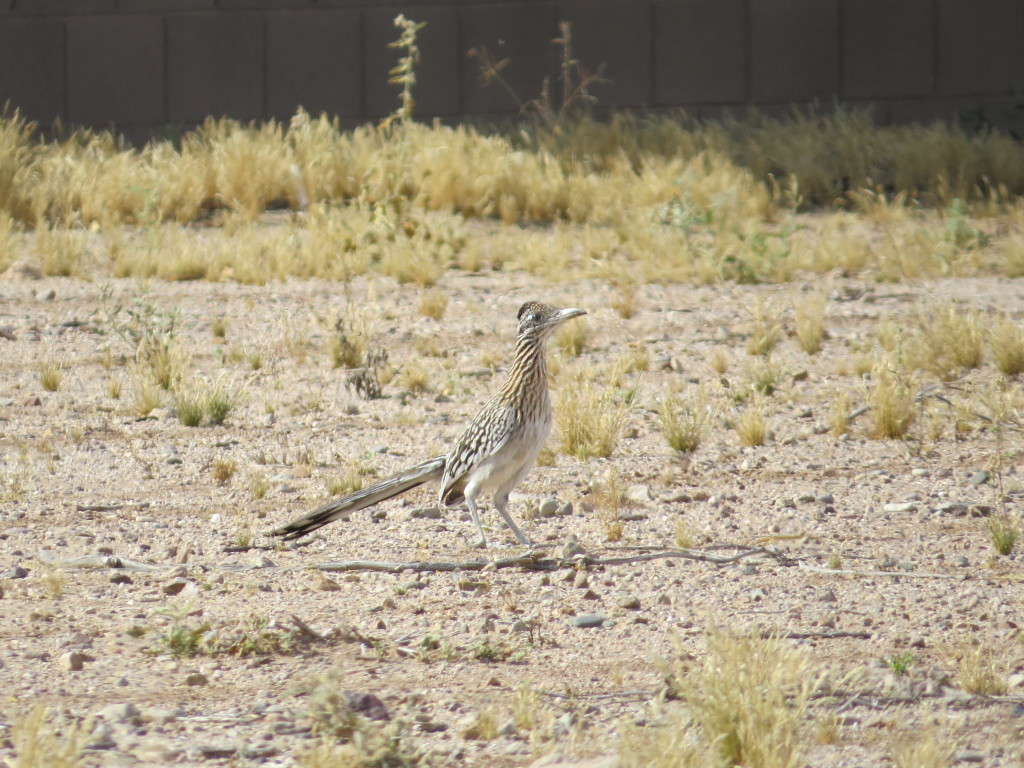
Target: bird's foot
{"x":480,"y":543}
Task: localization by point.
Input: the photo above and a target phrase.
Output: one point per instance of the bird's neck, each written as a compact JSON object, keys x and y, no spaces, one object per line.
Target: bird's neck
{"x":529,"y":369}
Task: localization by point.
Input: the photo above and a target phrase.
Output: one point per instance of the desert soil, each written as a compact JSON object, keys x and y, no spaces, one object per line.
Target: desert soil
{"x":86,"y":478}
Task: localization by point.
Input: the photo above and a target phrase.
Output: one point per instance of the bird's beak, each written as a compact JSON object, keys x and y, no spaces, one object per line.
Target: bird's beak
{"x":567,"y":314}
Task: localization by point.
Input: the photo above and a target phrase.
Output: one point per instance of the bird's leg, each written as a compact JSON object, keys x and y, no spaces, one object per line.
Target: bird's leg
{"x":501,"y":504}
{"x":480,"y":543}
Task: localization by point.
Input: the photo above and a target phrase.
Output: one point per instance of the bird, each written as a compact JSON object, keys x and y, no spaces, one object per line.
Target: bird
{"x":492,"y":455}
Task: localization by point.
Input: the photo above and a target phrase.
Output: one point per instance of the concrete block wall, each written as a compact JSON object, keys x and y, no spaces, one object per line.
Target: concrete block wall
{"x":143,"y":66}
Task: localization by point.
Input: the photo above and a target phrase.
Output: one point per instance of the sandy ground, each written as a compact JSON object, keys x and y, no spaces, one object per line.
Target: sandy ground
{"x":84,"y":477}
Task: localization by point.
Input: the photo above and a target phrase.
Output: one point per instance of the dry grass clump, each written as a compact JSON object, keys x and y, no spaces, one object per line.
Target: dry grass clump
{"x":747,"y":703}
{"x":765,"y":329}
{"x":51,"y":374}
{"x":685,"y":419}
{"x":40,"y":743}
{"x":433,"y":303}
{"x":590,"y":416}
{"x":1006,"y":343}
{"x":947,"y":340}
{"x":1003,"y":531}
{"x":809,"y":318}
{"x":979,"y":670}
{"x":891,"y":400}
{"x":751,"y":424}
{"x":927,"y":748}
{"x":209,"y":401}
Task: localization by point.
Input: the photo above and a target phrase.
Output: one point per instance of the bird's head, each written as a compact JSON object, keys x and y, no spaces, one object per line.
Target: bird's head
{"x":538,"y":318}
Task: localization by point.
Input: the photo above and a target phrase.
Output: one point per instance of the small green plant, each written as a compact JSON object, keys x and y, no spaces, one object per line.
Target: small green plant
{"x":258,"y":485}
{"x":900,"y":662}
{"x":182,"y":638}
{"x":1003,"y":532}
{"x":835,"y":561}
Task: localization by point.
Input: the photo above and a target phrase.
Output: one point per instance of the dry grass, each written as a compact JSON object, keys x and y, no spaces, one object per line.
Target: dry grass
{"x":40,"y":743}
{"x":433,"y":303}
{"x":51,"y":374}
{"x":685,"y":419}
{"x":891,"y":399}
{"x":980,"y":670}
{"x":751,"y":424}
{"x":590,"y":417}
{"x":748,"y":703}
{"x":809,"y":318}
{"x":765,"y":329}
{"x":1006,"y":343}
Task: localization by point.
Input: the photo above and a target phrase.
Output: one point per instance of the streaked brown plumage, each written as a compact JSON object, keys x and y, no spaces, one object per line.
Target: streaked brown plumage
{"x":494,"y":453}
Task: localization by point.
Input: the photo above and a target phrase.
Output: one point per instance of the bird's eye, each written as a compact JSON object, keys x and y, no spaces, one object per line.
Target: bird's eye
{"x":533,"y":317}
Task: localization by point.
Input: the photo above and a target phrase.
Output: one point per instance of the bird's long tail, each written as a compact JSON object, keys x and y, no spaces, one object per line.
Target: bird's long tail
{"x":431,"y":469}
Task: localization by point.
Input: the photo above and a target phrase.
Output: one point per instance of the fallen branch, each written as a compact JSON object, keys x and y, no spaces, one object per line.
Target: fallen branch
{"x":99,"y":561}
{"x":536,"y":561}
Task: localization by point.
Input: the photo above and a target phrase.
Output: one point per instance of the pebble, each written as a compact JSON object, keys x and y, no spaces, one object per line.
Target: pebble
{"x":564,"y":510}
{"x":639,"y":494}
{"x":580,"y":580}
{"x":197,"y":678}
{"x":588,"y":620}
{"x":549,"y":507}
{"x":919,"y":472}
{"x":758,"y":594}
{"x":175,"y":587}
{"x":979,"y":478}
{"x":17,"y":572}
{"x":629,"y":602}
{"x":905,"y":506}
{"x":826,"y":498}
{"x":424,"y":513}
{"x":378,"y":514}
{"x":72,"y":661}
{"x":961,"y":562}
{"x":119,"y":713}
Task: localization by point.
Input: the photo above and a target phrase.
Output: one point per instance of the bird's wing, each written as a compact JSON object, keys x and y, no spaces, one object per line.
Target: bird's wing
{"x":484,"y":437}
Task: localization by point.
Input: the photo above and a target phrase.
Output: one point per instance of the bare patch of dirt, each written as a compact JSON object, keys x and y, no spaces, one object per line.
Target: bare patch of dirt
{"x":879,"y":559}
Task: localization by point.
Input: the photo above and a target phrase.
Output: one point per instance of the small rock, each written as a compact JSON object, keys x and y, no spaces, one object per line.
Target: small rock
{"x":119,"y":713}
{"x":175,"y":587}
{"x":378,"y":514}
{"x":758,"y":594}
{"x":828,"y":596}
{"x":664,"y":599}
{"x":548,"y":508}
{"x":519,"y":626}
{"x":639,"y":494}
{"x":564,"y":509}
{"x":22,"y":270}
{"x":571,"y":548}
{"x":325,"y":583}
{"x":588,"y":620}
{"x":580,"y":580}
{"x":368,"y":705}
{"x":424,"y":513}
{"x":591,"y":595}
{"x":968,"y":757}
{"x":979,"y":478}
{"x":749,"y":569}
{"x":919,"y":472}
{"x":629,"y":602}
{"x":906,"y":506}
{"x":72,"y":661}
{"x":197,"y":678}
{"x":17,"y":572}
{"x":961,"y":562}
{"x":121,"y":578}
{"x":102,"y":737}
{"x":826,"y":498}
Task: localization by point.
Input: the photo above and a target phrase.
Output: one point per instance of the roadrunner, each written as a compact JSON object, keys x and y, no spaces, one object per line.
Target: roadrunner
{"x":494,"y":453}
